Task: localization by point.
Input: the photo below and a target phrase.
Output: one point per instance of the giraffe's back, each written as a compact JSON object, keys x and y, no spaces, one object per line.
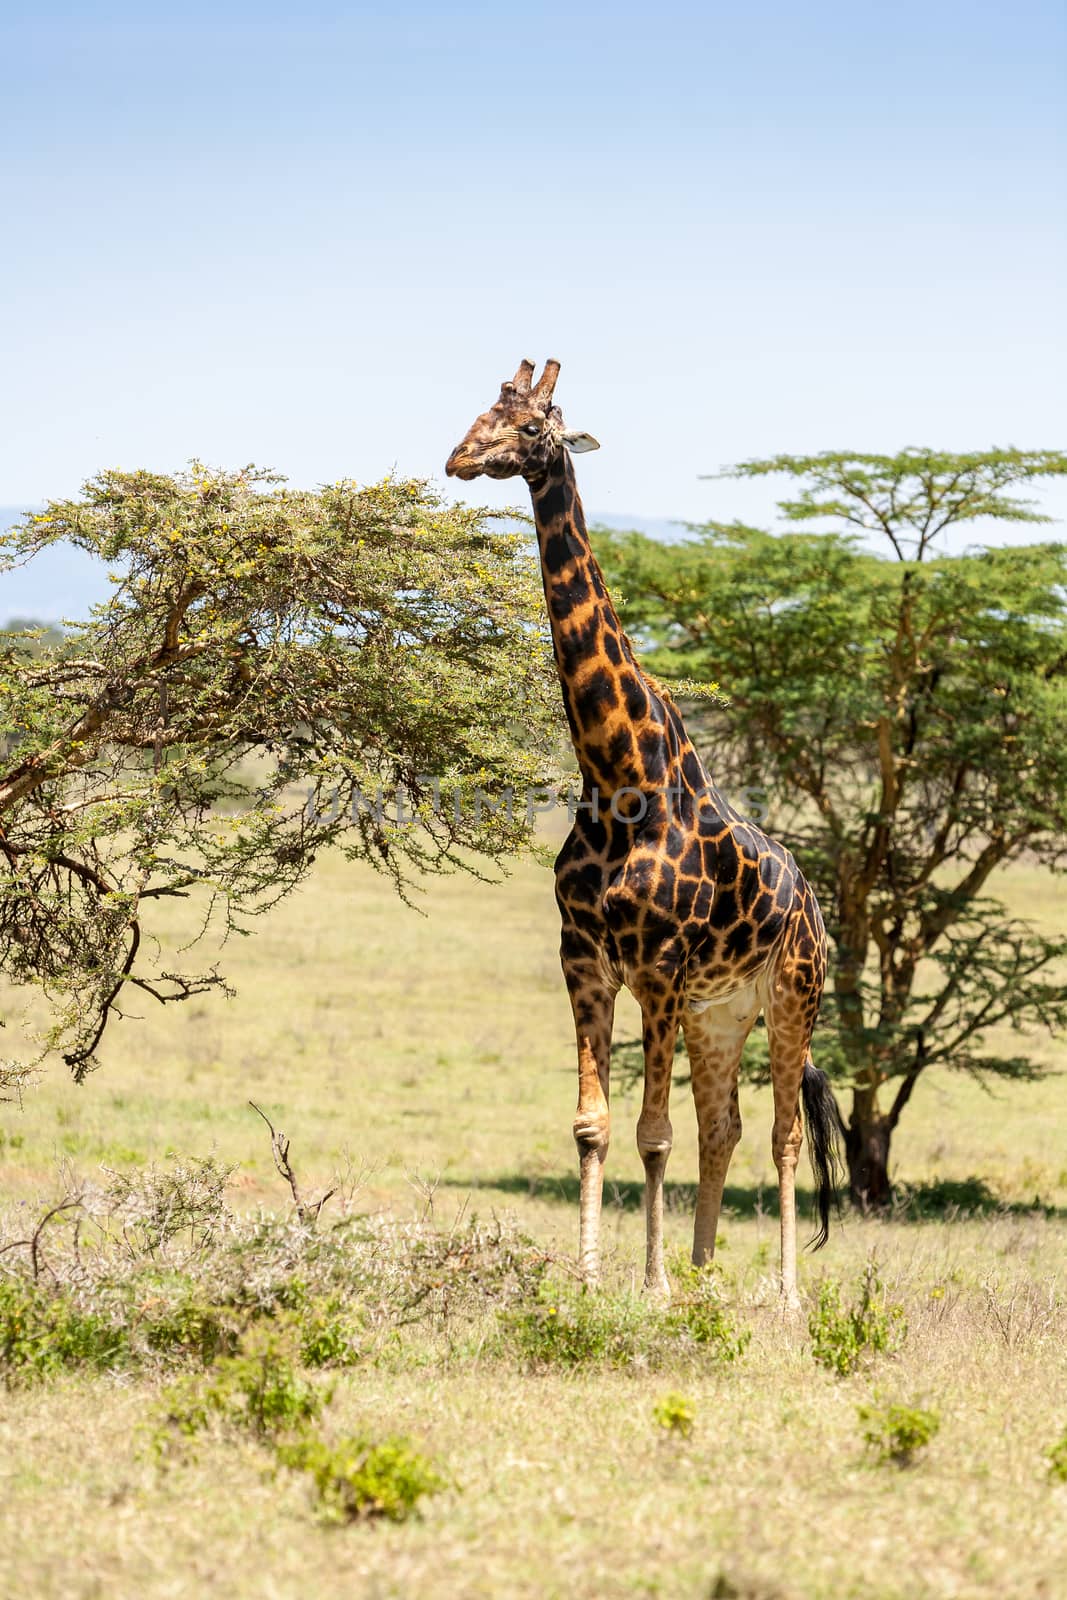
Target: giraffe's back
{"x":703,"y":898}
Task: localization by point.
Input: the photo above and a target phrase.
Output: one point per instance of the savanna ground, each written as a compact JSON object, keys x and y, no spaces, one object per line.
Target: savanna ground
{"x":437,"y":1051}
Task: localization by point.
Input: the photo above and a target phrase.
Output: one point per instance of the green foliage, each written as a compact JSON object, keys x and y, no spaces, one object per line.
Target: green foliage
{"x":675,"y":1414}
{"x":330,"y":1334}
{"x":177,"y":1324}
{"x":895,"y":1432}
{"x":899,"y":716}
{"x":949,"y":1198}
{"x":362,"y":1478}
{"x":844,"y":1337}
{"x":260,"y":1390}
{"x":268,"y":662}
{"x":571,"y":1327}
{"x":1057,"y":1459}
{"x":697,"y":1312}
{"x":41,"y":1335}
{"x":910,"y":498}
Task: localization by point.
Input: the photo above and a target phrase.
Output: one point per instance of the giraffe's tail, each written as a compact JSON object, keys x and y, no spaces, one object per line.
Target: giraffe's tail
{"x":825,"y":1130}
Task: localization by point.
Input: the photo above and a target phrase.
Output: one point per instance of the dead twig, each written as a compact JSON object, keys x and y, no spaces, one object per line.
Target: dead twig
{"x":307,"y":1211}
{"x":352,"y":1178}
{"x":426,"y":1189}
{"x":33,"y":1243}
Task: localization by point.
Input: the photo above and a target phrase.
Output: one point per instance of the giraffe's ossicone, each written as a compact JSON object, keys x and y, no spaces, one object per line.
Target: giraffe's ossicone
{"x":661,"y":884}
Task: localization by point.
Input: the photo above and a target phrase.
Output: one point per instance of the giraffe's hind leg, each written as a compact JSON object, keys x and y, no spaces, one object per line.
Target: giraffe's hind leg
{"x":714,"y":1040}
{"x":791,"y":1006}
{"x":786,"y":1138}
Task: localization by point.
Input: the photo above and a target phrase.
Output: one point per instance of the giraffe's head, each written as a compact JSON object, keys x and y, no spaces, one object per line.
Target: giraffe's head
{"x":521,"y":435}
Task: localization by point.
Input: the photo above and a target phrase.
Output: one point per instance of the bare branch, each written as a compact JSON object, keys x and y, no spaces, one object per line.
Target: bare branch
{"x":33,"y":1243}
{"x":307,"y":1211}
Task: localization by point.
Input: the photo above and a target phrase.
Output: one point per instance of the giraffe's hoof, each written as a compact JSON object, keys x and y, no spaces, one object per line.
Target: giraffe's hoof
{"x":658,"y":1289}
{"x":790,"y":1303}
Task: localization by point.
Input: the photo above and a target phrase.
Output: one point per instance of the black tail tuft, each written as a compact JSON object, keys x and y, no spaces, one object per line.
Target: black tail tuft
{"x":825,"y":1128}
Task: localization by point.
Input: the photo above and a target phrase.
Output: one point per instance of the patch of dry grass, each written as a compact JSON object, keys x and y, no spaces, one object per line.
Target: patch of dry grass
{"x":438,"y":1051}
{"x":565,"y":1481}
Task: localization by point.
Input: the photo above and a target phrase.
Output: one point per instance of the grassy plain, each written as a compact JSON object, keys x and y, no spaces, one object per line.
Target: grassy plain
{"x":437,"y":1050}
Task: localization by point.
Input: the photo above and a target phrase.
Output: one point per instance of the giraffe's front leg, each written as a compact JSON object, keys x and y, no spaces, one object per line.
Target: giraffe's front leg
{"x":655,"y":1135}
{"x":594,"y":1011}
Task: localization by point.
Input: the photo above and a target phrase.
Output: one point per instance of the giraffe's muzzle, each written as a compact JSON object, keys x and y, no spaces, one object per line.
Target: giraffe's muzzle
{"x":461,"y":465}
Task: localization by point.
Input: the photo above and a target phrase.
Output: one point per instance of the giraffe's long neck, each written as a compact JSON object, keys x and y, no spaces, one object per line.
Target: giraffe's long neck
{"x":626,"y":736}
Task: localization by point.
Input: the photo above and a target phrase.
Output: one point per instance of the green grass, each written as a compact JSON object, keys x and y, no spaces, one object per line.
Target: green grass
{"x":437,"y":1051}
{"x":442,"y":1045}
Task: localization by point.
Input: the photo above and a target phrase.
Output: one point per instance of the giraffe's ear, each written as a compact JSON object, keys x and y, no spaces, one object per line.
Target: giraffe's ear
{"x":580,"y":442}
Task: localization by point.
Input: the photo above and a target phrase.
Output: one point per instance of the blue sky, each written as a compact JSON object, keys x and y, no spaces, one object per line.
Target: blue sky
{"x":319,"y":240}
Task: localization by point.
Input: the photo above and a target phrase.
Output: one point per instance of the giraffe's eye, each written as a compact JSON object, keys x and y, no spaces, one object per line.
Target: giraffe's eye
{"x":532,"y":429}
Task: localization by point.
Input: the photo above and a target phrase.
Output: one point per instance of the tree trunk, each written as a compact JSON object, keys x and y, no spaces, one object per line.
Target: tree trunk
{"x":867,"y":1140}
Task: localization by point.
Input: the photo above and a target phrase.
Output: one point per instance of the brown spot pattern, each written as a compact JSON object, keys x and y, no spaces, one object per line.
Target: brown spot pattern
{"x":661,"y":885}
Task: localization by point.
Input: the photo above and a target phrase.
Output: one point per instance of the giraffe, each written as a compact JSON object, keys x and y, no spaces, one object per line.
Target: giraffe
{"x":661,"y":885}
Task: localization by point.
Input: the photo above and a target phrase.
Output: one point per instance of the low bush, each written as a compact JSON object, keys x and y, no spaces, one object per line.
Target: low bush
{"x":675,"y":1414}
{"x":358,"y":1477}
{"x":42,"y":1335}
{"x":896,"y":1432}
{"x":155,"y":1207}
{"x":844,"y":1337}
{"x":260,"y":1391}
{"x":173,"y":1320}
{"x":697,"y":1312}
{"x":331,"y":1335}
{"x":567,"y":1326}
{"x":155,"y":1272}
{"x":1057,"y":1459}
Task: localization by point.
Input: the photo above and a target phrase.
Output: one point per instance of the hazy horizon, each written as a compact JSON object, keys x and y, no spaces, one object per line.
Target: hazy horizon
{"x":62,"y":583}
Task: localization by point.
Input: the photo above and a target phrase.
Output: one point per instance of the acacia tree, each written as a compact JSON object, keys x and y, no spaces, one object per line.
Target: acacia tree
{"x":903,"y":710}
{"x":274,"y":671}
